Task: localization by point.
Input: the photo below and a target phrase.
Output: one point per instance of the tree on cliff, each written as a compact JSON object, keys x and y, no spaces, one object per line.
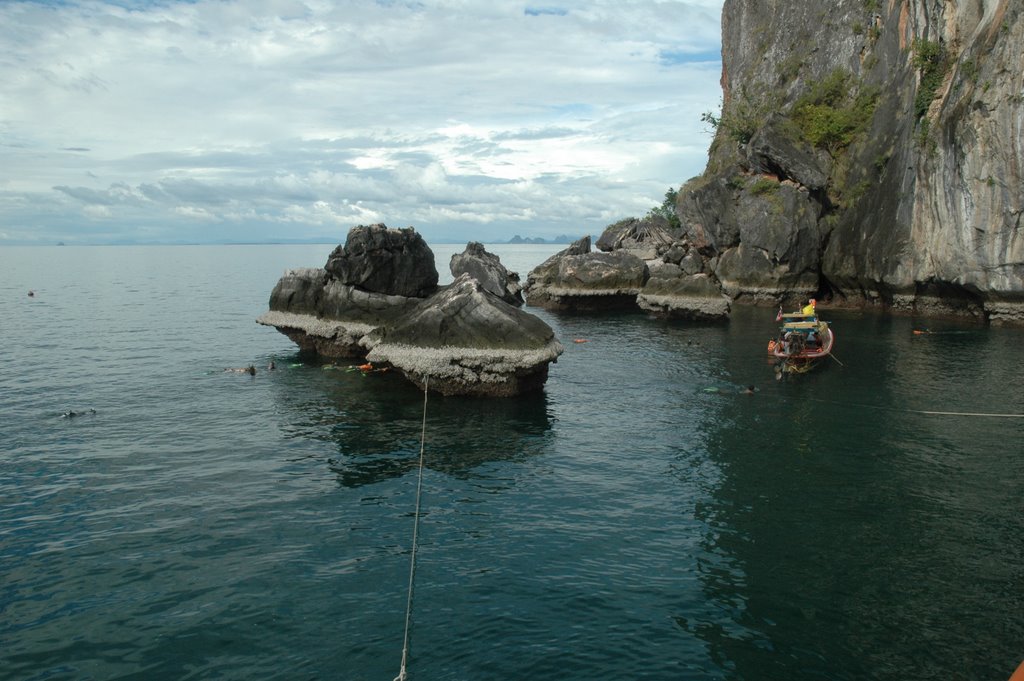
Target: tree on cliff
{"x":667,"y":209}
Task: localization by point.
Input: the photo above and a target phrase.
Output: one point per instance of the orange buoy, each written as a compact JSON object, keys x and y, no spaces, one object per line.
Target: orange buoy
{"x":1019,"y":674}
{"x":366,"y":367}
{"x":580,"y":340}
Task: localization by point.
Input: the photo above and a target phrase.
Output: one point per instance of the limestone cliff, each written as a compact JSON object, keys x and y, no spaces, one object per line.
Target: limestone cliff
{"x":868,"y":151}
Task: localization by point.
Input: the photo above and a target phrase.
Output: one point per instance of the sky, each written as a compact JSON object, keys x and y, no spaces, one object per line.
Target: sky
{"x":249,"y":121}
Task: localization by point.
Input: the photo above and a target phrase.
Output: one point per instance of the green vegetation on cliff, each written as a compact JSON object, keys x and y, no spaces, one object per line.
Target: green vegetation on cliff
{"x":742,"y":117}
{"x":931,"y":61}
{"x":667,"y":209}
{"x":830,"y":115}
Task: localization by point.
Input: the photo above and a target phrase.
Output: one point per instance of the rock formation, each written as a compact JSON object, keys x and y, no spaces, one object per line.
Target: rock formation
{"x":328,"y":311}
{"x":381,"y":260}
{"x":644,"y":266}
{"x":577,"y":279}
{"x":465,"y":340}
{"x":647,"y":239}
{"x":683,"y":291}
{"x":373,"y":292}
{"x":487,"y":269}
{"x":869,"y":152}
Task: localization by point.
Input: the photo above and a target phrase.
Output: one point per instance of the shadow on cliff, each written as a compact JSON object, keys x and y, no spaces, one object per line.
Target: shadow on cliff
{"x":375,"y":422}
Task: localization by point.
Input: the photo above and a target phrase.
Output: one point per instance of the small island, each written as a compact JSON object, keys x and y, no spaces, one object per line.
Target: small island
{"x":377,"y":299}
{"x":562,"y":239}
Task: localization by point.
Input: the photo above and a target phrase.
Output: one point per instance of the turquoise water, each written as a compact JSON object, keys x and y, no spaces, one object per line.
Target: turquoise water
{"x":624,"y":524}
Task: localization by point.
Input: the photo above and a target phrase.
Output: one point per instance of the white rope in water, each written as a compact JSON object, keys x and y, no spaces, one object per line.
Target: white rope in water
{"x":402,"y":675}
{"x":921,"y":411}
{"x":967,"y":413}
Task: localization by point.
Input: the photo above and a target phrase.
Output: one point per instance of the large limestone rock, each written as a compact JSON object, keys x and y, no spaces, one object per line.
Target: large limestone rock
{"x":487,"y":269}
{"x":908,"y":167}
{"x":299,"y":291}
{"x":778,"y":243}
{"x":329,"y":311}
{"x":463,"y":340}
{"x":777,"y":149}
{"x":578,"y":279}
{"x":695,"y":297}
{"x":307,"y":306}
{"x":378,"y":259}
{"x":322,"y":315}
{"x":466,"y":341}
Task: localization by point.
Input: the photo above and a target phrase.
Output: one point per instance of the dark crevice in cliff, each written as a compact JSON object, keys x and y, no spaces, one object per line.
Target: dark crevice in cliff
{"x":955,"y":298}
{"x":821,"y":197}
{"x":826,"y":290}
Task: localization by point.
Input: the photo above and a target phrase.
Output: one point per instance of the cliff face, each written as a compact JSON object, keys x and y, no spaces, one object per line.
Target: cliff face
{"x":868,"y":151}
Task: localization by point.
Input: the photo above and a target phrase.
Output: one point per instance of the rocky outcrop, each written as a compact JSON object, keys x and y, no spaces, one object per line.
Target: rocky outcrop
{"x":646,"y":238}
{"x":869,"y":153}
{"x":697,"y":297}
{"x":322,"y":315}
{"x":487,"y":269}
{"x":680,"y":282}
{"x":577,"y":279}
{"x":381,"y":260}
{"x":465,"y":340}
{"x":674,"y":281}
{"x":330,"y":310}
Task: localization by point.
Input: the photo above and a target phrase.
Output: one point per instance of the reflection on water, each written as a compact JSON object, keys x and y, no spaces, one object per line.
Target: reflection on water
{"x":376,"y":423}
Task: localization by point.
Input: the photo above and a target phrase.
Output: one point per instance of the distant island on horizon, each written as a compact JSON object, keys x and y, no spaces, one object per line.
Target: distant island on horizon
{"x":562,"y":239}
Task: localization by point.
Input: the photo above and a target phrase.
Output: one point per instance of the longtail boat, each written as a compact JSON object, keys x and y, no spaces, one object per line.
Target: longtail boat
{"x":803,"y":340}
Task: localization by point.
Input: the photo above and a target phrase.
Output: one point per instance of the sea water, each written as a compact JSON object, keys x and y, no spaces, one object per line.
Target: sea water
{"x":638,"y":519}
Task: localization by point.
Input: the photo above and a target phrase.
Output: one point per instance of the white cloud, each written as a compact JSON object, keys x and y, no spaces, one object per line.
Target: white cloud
{"x":284,"y":119}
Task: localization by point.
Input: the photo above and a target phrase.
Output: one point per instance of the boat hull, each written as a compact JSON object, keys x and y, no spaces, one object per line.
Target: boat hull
{"x":804,"y":358}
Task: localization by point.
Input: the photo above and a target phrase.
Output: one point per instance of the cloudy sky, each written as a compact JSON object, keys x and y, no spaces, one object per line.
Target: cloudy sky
{"x":276,"y":120}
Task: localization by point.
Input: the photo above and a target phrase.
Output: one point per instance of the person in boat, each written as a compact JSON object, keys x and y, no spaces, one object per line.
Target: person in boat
{"x":813,"y":339}
{"x":790,"y":343}
{"x":808,"y":309}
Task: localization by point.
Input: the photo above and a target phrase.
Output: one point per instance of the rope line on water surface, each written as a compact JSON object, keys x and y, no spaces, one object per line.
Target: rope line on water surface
{"x":923,"y":411}
{"x":415,"y":535}
{"x":966,"y":413}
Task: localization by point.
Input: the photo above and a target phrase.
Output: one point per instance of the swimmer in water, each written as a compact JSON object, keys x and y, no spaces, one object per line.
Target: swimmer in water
{"x":251,"y":370}
{"x":71,"y":413}
{"x":749,"y":390}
